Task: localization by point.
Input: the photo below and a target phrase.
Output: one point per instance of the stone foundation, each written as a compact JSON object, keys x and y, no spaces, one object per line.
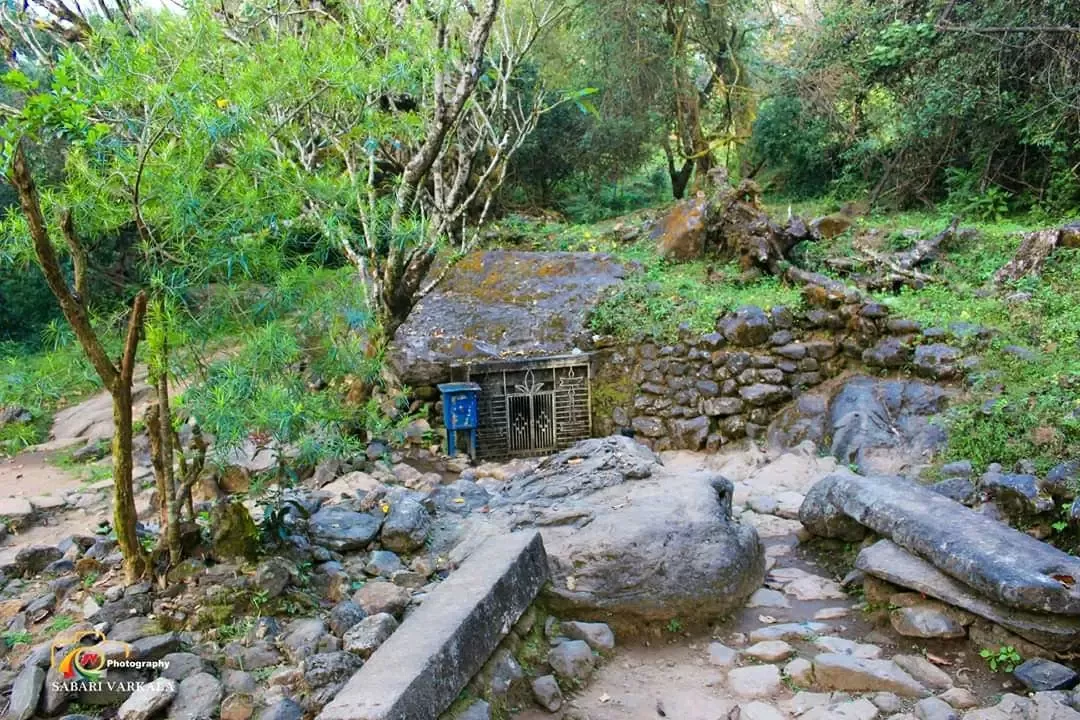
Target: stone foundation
{"x":704,"y":391}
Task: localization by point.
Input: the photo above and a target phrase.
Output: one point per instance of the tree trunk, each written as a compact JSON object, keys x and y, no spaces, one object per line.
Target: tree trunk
{"x":124,"y":515}
{"x":117,"y":380}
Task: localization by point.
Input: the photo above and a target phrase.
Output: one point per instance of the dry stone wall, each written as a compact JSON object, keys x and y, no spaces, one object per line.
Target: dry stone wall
{"x":706,"y":390}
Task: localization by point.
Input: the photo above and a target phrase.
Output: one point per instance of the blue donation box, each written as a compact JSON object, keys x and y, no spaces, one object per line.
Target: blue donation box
{"x":460,"y":413}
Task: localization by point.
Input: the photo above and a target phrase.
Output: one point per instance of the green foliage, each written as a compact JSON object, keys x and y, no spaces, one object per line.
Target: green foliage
{"x":919,"y":103}
{"x":1005,"y":658}
{"x":17,"y":637}
{"x":59,"y":623}
{"x":656,"y":301}
{"x":674,"y":626}
{"x":264,"y":391}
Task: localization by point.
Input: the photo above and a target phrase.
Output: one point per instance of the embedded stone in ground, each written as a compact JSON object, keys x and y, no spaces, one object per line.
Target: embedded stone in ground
{"x":755,"y":681}
{"x":846,"y":672}
{"x":770,"y":651}
{"x":1041,"y":674}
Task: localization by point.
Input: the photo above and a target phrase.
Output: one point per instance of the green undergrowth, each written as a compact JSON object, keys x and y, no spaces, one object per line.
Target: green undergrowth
{"x":41,"y":382}
{"x":1017,"y":408}
{"x":655,"y":301}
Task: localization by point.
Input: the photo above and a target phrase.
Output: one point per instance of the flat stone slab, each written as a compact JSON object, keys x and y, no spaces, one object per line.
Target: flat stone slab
{"x":1008,"y":566}
{"x":502,"y":303}
{"x":888,"y":561}
{"x":419,"y":671}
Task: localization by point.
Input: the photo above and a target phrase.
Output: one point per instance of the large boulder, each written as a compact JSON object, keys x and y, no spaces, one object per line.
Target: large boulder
{"x":681,"y":233}
{"x":498,"y":303}
{"x":881,"y":426}
{"x":627,"y":538}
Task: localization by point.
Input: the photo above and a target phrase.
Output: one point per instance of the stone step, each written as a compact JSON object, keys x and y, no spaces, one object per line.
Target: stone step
{"x":420,"y":670}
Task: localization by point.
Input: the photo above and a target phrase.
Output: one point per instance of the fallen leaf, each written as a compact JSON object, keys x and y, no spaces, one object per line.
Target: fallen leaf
{"x":1066,"y":580}
{"x":937,"y":660}
{"x":458,"y":501}
{"x":573,"y":461}
{"x":605,"y":698}
{"x":767,"y":619}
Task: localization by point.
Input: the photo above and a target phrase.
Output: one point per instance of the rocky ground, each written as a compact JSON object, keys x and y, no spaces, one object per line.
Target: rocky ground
{"x":276,"y":638}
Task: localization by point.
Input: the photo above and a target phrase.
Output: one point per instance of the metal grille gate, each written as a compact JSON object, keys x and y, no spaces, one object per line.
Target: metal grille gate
{"x":531,"y":407}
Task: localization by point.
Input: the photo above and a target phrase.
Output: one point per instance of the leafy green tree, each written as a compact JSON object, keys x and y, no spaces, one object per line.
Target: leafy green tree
{"x":975,"y":103}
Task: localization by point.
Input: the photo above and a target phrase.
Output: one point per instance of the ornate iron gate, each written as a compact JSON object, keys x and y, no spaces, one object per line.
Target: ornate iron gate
{"x":531,"y":407}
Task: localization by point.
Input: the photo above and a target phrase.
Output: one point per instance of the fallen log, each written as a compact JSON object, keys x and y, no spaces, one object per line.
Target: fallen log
{"x":1034,"y":251}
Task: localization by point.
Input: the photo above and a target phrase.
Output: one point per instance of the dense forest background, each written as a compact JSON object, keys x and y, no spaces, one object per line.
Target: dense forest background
{"x":972,"y":108}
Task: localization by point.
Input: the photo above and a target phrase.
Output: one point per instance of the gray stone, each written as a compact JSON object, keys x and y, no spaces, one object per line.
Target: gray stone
{"x":501,"y":674}
{"x":722,"y":656}
{"x":887,"y":702}
{"x":888,"y":561}
{"x":330,"y":668}
{"x":638,"y":513}
{"x":181,"y":664}
{"x":770,"y":651}
{"x":925,"y":621}
{"x":958,"y":489}
{"x":419,"y":671}
{"x":935,"y":709}
{"x":304,"y":637}
{"x":148,"y":700}
{"x":478,"y":710}
{"x":889,"y":352}
{"x":25,"y":693}
{"x":406,"y":525}
{"x":1063,"y":480}
{"x":822,"y":517}
{"x":341,"y":529}
{"x":133,"y":628}
{"x":365,"y":637}
{"x":722,"y":406}
{"x":383,"y":563}
{"x":800,"y":671}
{"x":885,"y":426}
{"x":690,"y":434}
{"x":755,"y":681}
{"x":345,"y":615}
{"x":746,"y":327}
{"x":1010,"y":567}
{"x":273,"y":576}
{"x":32,"y":559}
{"x":156,"y":647}
{"x":789,"y":631}
{"x":762,"y":394}
{"x":937,"y":361}
{"x":1042,"y":674}
{"x":382,"y":597}
{"x":764,"y":597}
{"x":598,"y":635}
{"x":960,"y":698}
{"x":833,"y":671}
{"x":500,"y":302}
{"x":957,"y":469}
{"x":546,"y":693}
{"x":924,"y":671}
{"x":283,"y":709}
{"x":198,"y":698}
{"x":238,"y":681}
{"x":757,"y":710}
{"x":572,"y":660}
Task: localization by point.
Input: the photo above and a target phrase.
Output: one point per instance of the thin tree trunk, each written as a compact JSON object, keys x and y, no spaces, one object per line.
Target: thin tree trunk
{"x":116,"y":380}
